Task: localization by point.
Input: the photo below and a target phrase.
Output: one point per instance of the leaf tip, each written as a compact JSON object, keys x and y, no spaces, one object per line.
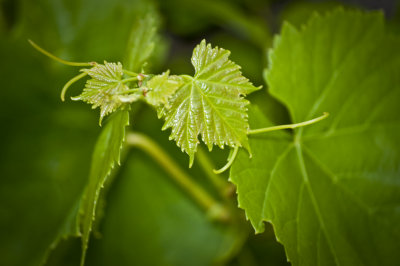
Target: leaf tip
{"x":191,"y":160}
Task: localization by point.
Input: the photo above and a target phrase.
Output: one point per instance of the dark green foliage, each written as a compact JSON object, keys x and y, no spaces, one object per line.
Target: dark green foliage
{"x":330,"y":190}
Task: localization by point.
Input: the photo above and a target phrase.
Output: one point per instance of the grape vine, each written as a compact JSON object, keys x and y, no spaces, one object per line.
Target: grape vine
{"x":211,"y":103}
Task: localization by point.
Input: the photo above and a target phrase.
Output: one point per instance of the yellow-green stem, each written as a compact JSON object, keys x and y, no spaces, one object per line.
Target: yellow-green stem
{"x":209,"y":204}
{"x":129,"y":79}
{"x":231,"y":158}
{"x":62,"y":61}
{"x":219,"y":183}
{"x":130,"y":73}
{"x":70,"y":82}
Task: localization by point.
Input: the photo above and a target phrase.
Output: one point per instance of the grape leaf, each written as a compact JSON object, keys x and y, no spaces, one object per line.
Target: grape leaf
{"x":105,"y":89}
{"x":161,"y":88}
{"x":142,"y":41}
{"x":210,"y":103}
{"x":105,"y":154}
{"x":331,"y":190}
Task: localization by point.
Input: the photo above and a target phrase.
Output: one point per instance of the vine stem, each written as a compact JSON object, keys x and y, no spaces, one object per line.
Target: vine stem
{"x":69,"y":63}
{"x":231,"y":158}
{"x":62,"y":61}
{"x":70,"y":82}
{"x":130,"y":79}
{"x":213,"y":208}
{"x":130,"y":73}
{"x":289,"y":126}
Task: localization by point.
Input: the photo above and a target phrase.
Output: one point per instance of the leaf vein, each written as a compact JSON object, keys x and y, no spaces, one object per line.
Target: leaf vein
{"x":304,"y":175}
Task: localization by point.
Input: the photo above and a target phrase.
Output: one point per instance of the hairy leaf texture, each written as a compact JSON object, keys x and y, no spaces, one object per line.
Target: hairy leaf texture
{"x":105,"y":88}
{"x":211,"y":103}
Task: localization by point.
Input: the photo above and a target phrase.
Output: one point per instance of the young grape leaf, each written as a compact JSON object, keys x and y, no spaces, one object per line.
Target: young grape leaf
{"x":105,"y":154}
{"x":161,"y":88}
{"x":105,"y":88}
{"x":210,"y":104}
{"x":331,"y":190}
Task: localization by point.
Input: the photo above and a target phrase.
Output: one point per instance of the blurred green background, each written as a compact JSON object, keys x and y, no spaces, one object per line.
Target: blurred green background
{"x":46,"y":145}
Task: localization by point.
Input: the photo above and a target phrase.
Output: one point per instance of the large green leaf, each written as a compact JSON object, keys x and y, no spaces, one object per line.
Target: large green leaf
{"x":210,"y":104}
{"x":331,"y":190}
{"x":105,"y":155}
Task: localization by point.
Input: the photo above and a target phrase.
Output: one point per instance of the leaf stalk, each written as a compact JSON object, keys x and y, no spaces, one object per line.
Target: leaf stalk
{"x":289,"y":126}
{"x":130,"y":73}
{"x":129,"y":79}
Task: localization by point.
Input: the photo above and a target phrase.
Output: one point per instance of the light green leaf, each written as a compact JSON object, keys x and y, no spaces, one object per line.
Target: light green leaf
{"x":214,"y":70}
{"x":105,"y":155}
{"x":142,"y":41}
{"x":161,"y":88}
{"x":105,"y":89}
{"x":331,"y":190}
{"x":210,"y":104}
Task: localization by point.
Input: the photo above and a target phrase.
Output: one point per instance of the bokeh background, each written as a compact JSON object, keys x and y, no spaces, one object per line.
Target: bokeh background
{"x":46,"y":145}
